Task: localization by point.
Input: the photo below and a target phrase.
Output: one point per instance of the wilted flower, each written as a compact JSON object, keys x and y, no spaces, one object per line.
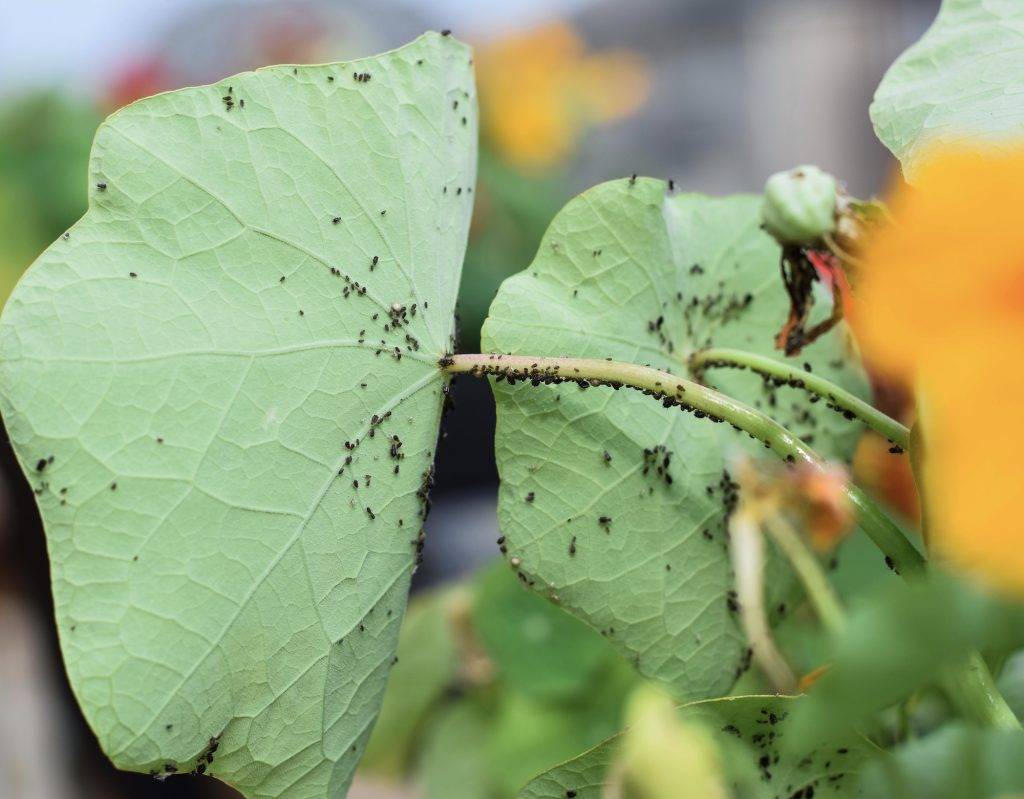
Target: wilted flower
{"x":814,"y":498}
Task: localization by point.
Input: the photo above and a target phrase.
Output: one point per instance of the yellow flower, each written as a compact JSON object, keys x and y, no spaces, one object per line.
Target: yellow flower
{"x":539,"y":90}
{"x":941,"y":304}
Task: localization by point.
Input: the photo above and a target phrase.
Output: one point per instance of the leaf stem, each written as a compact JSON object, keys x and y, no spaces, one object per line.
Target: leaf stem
{"x":808,"y":569}
{"x":703,"y":402}
{"x":971,"y":687}
{"x":837,"y":398}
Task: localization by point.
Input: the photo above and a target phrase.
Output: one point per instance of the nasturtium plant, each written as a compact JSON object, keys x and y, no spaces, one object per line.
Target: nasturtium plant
{"x":961,"y":81}
{"x":610,"y":504}
{"x":763,"y":764}
{"x":222,"y":385}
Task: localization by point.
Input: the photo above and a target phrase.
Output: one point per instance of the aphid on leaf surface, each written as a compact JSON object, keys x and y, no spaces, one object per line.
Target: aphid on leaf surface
{"x":101,"y":186}
{"x":133,"y":274}
{"x":530,"y":497}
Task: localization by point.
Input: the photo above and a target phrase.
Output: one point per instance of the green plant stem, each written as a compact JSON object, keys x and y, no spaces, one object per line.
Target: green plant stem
{"x":839,"y":399}
{"x":971,"y":688}
{"x":808,"y":569}
{"x":703,"y":402}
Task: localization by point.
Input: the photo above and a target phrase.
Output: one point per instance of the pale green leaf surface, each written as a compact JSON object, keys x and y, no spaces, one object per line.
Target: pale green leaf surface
{"x":180,"y":374}
{"x":964,"y":79}
{"x":655,"y":578}
{"x":751,"y":733}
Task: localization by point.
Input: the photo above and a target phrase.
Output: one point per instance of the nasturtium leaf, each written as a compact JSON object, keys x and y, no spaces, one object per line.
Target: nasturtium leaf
{"x":751,"y":733}
{"x":536,"y":648}
{"x":222,"y":386}
{"x":610,"y":504}
{"x":962,"y":80}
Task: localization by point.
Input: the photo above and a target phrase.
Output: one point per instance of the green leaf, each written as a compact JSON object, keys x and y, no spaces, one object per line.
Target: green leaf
{"x":962,"y":79}
{"x":584,"y":775}
{"x":955,"y":762}
{"x":455,"y":763}
{"x":180,"y":376}
{"x":537,"y":649}
{"x":751,"y":732}
{"x":628,"y":272}
{"x":427,"y":666}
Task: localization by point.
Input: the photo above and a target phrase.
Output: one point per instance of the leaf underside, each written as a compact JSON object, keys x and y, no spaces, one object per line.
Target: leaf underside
{"x":202,"y":381}
{"x":962,"y":79}
{"x":630,"y":272}
{"x":763,"y":764}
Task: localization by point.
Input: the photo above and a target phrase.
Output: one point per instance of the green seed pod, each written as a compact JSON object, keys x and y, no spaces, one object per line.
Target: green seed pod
{"x":799,"y":205}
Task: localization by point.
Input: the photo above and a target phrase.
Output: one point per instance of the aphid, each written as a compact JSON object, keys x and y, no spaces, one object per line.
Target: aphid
{"x":101,"y":186}
{"x":632,"y":179}
{"x":133,"y":274}
{"x":446,"y":32}
{"x":607,"y":457}
{"x":335,"y":220}
{"x":572,"y":547}
{"x":530,"y":497}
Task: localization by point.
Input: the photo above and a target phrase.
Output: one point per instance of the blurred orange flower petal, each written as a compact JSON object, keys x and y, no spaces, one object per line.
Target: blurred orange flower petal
{"x":941,"y":304}
{"x":540,"y":89}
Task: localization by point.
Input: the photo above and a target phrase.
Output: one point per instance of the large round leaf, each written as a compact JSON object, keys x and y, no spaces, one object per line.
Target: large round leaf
{"x":611,"y":504}
{"x":222,"y":385}
{"x":962,"y":79}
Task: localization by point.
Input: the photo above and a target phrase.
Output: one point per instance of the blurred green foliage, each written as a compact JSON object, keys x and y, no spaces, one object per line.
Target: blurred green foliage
{"x":493,"y":685}
{"x":44,"y":154}
{"x":955,"y":762}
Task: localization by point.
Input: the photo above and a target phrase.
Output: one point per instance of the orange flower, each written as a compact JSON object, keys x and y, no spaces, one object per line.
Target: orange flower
{"x":539,"y":90}
{"x":941,"y":304}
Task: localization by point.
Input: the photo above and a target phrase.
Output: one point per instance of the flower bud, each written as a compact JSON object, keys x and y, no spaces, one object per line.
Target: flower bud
{"x":799,"y":205}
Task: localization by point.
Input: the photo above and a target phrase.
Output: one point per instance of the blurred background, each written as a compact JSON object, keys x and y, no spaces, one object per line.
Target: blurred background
{"x":716,"y":94}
